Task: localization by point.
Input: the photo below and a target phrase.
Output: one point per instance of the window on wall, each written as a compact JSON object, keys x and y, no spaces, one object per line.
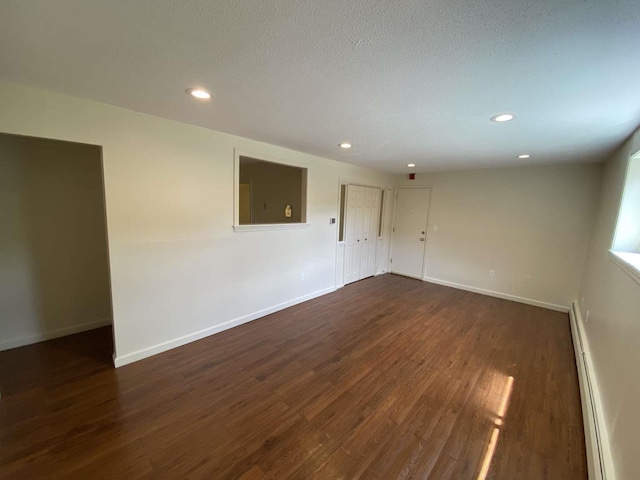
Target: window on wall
{"x":626,"y":243}
{"x":269,"y":193}
{"x":380,"y":212}
{"x":343,"y":206}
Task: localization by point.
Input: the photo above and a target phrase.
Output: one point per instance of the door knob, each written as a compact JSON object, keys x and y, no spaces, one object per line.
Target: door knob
{"x":422,"y":239}
{"x":358,"y":240}
{"x":424,"y":233}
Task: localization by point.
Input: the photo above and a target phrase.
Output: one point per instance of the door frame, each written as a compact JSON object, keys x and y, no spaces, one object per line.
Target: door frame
{"x":339,"y":244}
{"x":426,"y":235}
{"x":108,"y":240}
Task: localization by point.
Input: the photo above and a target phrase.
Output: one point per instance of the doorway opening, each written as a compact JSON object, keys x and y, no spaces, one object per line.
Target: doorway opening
{"x":54,"y":261}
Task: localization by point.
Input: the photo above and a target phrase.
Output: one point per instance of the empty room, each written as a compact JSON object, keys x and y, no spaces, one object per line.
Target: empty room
{"x":319,"y":240}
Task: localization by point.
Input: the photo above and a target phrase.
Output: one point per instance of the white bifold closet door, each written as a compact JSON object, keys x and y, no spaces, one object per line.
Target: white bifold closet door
{"x":361,"y":232}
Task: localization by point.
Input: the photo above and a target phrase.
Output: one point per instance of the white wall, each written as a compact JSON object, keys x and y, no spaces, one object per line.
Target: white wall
{"x":519,"y":221}
{"x":178,"y":270}
{"x":612,"y":299}
{"x":54,"y":277}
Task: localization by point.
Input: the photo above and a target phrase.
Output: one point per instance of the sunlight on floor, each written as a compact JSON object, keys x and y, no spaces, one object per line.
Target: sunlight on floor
{"x":502,"y":410}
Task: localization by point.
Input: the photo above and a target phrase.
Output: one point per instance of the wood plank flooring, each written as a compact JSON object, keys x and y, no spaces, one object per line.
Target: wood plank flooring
{"x":386,"y":378}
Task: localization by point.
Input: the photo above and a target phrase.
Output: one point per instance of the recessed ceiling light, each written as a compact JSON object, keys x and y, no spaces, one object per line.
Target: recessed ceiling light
{"x":411,"y":165}
{"x":199,"y":93}
{"x":503,"y":117}
{"x":524,"y":156}
{"x":345,"y":145}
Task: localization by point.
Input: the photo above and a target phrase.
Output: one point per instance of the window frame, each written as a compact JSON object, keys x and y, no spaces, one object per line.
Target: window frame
{"x":261,"y":227}
{"x":381,"y":213}
{"x":628,"y":261}
{"x":342,"y":214}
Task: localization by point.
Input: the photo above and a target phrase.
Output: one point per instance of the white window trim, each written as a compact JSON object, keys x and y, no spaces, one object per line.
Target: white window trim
{"x":263,"y":227}
{"x":628,"y":262}
{"x":384,"y":192}
{"x":339,"y":218}
{"x":270,"y":226}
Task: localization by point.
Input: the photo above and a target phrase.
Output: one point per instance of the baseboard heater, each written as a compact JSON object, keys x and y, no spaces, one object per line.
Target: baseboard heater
{"x":590,"y":412}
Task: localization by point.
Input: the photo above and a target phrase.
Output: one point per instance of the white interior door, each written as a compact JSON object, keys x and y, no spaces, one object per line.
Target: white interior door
{"x":409,"y":237}
{"x":361,"y":227}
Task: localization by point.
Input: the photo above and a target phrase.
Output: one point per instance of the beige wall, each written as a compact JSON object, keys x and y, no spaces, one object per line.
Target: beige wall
{"x":612,"y":299}
{"x":178,"y":270}
{"x":53,"y":251}
{"x":275,"y":186}
{"x":530,"y":221}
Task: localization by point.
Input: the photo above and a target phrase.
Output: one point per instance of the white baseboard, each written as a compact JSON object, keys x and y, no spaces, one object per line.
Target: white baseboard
{"x":122,"y":360}
{"x":59,"y":332}
{"x":505,"y":296}
{"x":599,"y":459}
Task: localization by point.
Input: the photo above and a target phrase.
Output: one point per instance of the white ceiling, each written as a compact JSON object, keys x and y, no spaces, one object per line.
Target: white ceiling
{"x":404,"y":80}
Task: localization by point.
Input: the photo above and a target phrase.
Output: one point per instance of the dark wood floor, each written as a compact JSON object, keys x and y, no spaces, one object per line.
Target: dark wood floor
{"x":387,"y":378}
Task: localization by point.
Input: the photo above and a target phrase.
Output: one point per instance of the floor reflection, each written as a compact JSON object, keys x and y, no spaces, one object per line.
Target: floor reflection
{"x":498,"y":422}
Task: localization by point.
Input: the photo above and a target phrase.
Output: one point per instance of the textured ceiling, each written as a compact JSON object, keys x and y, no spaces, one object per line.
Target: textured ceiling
{"x":404,"y":81}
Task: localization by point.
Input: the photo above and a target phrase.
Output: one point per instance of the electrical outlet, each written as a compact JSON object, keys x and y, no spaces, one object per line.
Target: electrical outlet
{"x":435,"y":228}
{"x":527,"y":279}
{"x":492,"y":273}
{"x":302,"y":276}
